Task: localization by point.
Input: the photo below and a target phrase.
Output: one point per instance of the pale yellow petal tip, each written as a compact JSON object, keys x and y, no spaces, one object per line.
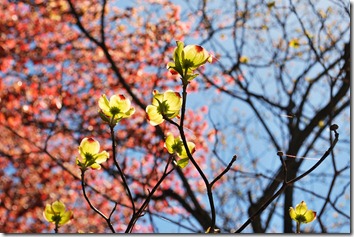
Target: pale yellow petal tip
{"x":96,"y":166}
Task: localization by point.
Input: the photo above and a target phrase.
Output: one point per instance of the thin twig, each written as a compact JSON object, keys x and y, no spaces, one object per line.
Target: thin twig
{"x":225,"y":171}
{"x":286,"y":183}
{"x":285,"y":169}
{"x":142,"y":208}
{"x":126,"y":187}
{"x":91,"y":205}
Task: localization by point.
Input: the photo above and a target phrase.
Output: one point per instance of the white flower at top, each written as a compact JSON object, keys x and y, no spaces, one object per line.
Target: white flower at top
{"x":187,"y":59}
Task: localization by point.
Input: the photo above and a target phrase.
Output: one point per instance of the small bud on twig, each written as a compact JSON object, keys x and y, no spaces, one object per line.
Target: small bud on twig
{"x":333,"y":127}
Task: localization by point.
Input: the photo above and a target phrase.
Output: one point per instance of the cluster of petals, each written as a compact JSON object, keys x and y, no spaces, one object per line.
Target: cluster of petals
{"x":90,"y":156}
{"x":187,"y":59}
{"x":167,"y":104}
{"x":174,"y":145}
{"x":115,"y":109}
{"x":56,"y":213}
{"x":301,"y":214}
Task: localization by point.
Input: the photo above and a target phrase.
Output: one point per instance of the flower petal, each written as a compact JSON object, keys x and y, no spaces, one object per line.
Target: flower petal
{"x":183,"y":162}
{"x":65,"y":217}
{"x":301,"y":208}
{"x":310,"y":216}
{"x":292,"y":213}
{"x":170,"y":140}
{"x":101,"y":157}
{"x":191,"y":148}
{"x":158,"y":97}
{"x":177,"y":57}
{"x":95,"y":166}
{"x":120,"y":102}
{"x":195,"y":55}
{"x":58,"y":207}
{"x":129,"y":113}
{"x":103,"y":104}
{"x":170,"y":65}
{"x":89,"y":145}
{"x":153,"y":116}
{"x":48,"y":213}
{"x":173,"y":99}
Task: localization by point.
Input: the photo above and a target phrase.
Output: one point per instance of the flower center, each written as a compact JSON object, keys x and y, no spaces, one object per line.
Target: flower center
{"x":56,"y":218}
{"x":177,"y":146}
{"x":114,"y":110}
{"x":163,"y":108}
{"x":89,"y":157}
{"x":300,"y":218}
{"x":188,"y":63}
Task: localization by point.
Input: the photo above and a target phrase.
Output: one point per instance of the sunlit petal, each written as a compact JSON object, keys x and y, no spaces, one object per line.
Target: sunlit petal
{"x":58,"y":206}
{"x":48,"y":213}
{"x":292,"y":213}
{"x":129,"y":113}
{"x":96,"y":166}
{"x":191,"y":148}
{"x":301,"y":208}
{"x":170,"y":140}
{"x":65,"y":217}
{"x":158,"y":97}
{"x":153,"y":116}
{"x":89,"y":145}
{"x":101,"y":157}
{"x":103,"y":104}
{"x":120,"y":102}
{"x":310,"y":216}
{"x":174,"y":100}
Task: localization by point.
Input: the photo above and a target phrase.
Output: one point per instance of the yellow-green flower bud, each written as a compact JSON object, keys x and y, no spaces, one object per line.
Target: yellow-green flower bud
{"x":187,"y":59}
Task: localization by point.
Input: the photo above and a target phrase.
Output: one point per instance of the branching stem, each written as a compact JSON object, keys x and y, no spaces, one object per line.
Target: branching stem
{"x":290,"y":182}
{"x":107,"y":219}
